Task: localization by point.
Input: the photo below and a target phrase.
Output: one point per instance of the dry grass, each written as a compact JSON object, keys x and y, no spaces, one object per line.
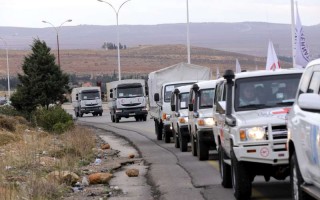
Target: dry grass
{"x":23,"y":160}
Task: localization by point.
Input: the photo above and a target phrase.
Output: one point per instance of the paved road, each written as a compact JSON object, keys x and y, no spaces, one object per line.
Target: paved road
{"x":178,"y":175}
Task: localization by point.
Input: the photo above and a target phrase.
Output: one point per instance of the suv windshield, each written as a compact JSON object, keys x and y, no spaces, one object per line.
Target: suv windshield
{"x":130,"y":92}
{"x":265,"y":91}
{"x":206,"y":98}
{"x":90,"y":95}
{"x":169,"y":89}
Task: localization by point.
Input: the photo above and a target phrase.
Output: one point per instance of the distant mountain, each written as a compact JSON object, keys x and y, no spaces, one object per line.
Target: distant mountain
{"x":246,"y":38}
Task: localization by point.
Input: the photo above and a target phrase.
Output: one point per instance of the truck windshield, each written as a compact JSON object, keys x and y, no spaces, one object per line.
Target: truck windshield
{"x":170,"y":88}
{"x":130,"y":92}
{"x":184,"y":100}
{"x":265,"y":91}
{"x":90,"y":95}
{"x":206,"y":98}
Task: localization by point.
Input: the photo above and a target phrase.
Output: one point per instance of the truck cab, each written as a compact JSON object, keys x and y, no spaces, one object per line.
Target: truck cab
{"x":251,"y":131}
{"x":200,"y":118}
{"x":179,"y":117}
{"x":304,"y":135}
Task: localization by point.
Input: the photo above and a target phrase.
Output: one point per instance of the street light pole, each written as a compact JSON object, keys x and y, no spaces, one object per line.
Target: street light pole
{"x":8,"y":75}
{"x":118,"y":41}
{"x":57,"y":29}
{"x":188,"y":38}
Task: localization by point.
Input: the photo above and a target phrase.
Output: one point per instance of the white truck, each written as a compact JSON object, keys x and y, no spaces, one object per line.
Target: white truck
{"x":127,"y":98}
{"x":162,"y":83}
{"x":304,"y":136}
{"x":250,"y":111}
{"x":201,"y":119}
{"x":179,"y":117}
{"x":87,"y":100}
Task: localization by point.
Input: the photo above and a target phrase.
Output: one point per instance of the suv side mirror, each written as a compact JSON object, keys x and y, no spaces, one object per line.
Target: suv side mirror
{"x":190,"y":107}
{"x":309,"y":101}
{"x":156,"y":97}
{"x":173,"y":107}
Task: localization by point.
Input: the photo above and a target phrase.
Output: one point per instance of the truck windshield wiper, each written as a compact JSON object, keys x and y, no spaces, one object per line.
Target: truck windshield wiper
{"x":255,"y":106}
{"x":285,"y":103}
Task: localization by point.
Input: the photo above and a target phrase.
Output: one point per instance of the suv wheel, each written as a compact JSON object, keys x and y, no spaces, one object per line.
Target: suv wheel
{"x":241,"y":181}
{"x":193,"y":145}
{"x":224,"y":169}
{"x":296,"y":180}
{"x":183,"y":142}
{"x":202,"y":150}
{"x":158,"y":130}
{"x":166,"y":136}
{"x":176,"y":138}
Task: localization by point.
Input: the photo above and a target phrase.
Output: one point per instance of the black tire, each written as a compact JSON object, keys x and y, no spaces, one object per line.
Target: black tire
{"x":296,"y":180}
{"x":241,"y":181}
{"x":137,"y":119}
{"x":166,"y":136}
{"x":100,"y":114}
{"x":193,"y":145}
{"x":81,"y":114}
{"x":202,"y":150}
{"x":176,"y":138}
{"x":144,"y":118}
{"x":183,"y":142}
{"x":117,"y":119}
{"x":76,"y":114}
{"x":158,"y":130}
{"x":113,"y":119}
{"x":224,"y":169}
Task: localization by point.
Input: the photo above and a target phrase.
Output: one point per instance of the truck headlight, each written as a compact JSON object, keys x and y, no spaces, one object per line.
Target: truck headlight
{"x":205,"y":122}
{"x":183,"y":120}
{"x":254,"y":133}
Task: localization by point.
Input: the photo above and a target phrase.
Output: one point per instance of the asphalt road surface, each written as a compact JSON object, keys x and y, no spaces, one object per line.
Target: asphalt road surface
{"x":178,"y":175}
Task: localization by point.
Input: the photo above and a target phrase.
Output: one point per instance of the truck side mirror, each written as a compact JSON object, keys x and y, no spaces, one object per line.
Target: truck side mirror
{"x":173,"y":107}
{"x":190,"y":107}
{"x":111,"y":95}
{"x":156,"y":97}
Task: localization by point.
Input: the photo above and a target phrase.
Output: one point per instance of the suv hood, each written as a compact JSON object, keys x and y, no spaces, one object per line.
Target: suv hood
{"x":263,"y":116}
{"x":205,"y":113}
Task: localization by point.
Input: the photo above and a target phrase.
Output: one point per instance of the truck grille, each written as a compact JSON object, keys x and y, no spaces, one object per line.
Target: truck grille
{"x":131,"y":104}
{"x":278,"y":132}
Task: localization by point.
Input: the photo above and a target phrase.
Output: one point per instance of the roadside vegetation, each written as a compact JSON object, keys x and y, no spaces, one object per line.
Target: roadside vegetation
{"x":38,"y":137}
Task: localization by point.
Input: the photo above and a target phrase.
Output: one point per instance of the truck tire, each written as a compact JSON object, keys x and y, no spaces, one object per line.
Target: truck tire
{"x":117,"y":119}
{"x":158,"y":130}
{"x":100,"y":114}
{"x":296,"y":180}
{"x":144,"y":118}
{"x":202,"y":149}
{"x":176,"y":138}
{"x":241,"y":181}
{"x":112,"y":118}
{"x":166,"y":136}
{"x":183,"y":142}
{"x":224,"y":169}
{"x":193,"y":145}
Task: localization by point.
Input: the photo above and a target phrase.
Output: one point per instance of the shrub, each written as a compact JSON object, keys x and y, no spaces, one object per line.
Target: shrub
{"x":7,"y":123}
{"x":54,"y":119}
{"x":9,"y":110}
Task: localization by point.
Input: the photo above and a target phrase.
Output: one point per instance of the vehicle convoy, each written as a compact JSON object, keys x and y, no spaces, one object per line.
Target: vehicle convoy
{"x":251,"y":132}
{"x":201,"y":118}
{"x":127,"y":98}
{"x":304,"y":135}
{"x":162,"y":83}
{"x":86,"y":100}
{"x":179,"y":117}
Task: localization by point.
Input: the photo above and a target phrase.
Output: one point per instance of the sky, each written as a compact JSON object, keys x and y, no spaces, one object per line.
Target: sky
{"x":31,"y":13}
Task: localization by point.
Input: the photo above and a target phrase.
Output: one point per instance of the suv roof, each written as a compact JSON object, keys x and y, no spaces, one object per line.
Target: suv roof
{"x":206,"y":84}
{"x":267,"y":73}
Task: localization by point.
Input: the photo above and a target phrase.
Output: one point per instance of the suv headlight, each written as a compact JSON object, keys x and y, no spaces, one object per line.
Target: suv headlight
{"x":254,"y":133}
{"x":205,"y":122}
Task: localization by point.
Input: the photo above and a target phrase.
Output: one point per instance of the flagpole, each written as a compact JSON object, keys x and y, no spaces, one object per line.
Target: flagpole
{"x":293,"y":34}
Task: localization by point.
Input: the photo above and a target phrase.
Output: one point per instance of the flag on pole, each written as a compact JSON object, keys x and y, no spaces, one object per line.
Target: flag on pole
{"x":272,"y":59}
{"x":238,"y":67}
{"x":302,"y":56}
{"x":218,"y":73}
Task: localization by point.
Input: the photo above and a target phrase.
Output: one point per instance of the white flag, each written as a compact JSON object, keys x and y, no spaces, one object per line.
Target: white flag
{"x":272,"y":59}
{"x":302,"y":56}
{"x":238,"y":67}
{"x":218,"y":73}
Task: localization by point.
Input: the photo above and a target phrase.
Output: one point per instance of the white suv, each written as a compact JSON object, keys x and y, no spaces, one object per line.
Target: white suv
{"x":304,"y":135}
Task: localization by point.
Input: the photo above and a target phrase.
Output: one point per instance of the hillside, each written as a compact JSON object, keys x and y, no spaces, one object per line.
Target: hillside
{"x":139,"y":60}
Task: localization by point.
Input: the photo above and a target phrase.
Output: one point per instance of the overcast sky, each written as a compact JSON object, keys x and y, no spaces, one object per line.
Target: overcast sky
{"x":30,"y":13}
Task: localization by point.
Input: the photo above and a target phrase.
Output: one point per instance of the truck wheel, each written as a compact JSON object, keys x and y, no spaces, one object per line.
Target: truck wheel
{"x":224,"y":169}
{"x":241,"y":181}
{"x":137,"y":119}
{"x":183,"y":142}
{"x":202,"y":150}
{"x":166,"y":136}
{"x":158,"y":130}
{"x":193,"y":145}
{"x":100,"y":114}
{"x":144,"y":118}
{"x":176,"y":138}
{"x":296,"y":180}
{"x":117,"y":119}
{"x":112,"y":118}
{"x":81,"y":114}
